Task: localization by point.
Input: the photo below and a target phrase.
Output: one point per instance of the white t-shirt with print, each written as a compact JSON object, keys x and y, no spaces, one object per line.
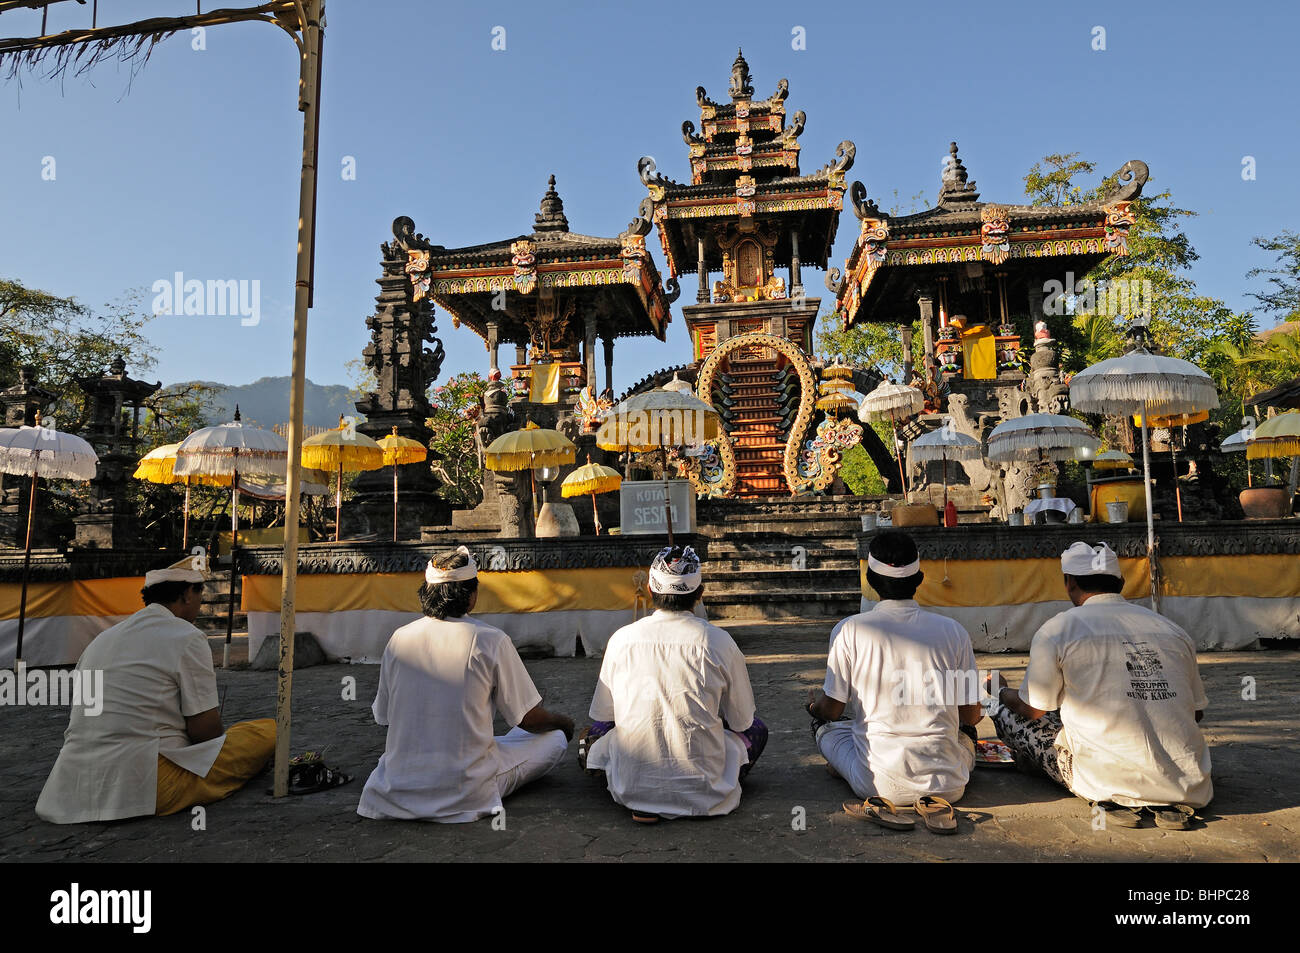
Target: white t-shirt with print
{"x":1125,"y":681}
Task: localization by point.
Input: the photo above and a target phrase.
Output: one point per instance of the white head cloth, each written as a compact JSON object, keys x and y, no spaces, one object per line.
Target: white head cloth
{"x":434,"y":576}
{"x":1084,"y":560}
{"x":155,"y":576}
{"x":894,"y":572}
{"x":679,"y":577}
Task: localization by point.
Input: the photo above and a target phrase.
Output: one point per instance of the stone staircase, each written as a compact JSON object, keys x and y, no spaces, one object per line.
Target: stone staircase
{"x":782,"y":559}
{"x":216,"y":598}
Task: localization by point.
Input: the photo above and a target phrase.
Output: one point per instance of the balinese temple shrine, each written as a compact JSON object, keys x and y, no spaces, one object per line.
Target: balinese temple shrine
{"x":749,"y":217}
{"x":982,"y":278}
{"x":558,"y":297}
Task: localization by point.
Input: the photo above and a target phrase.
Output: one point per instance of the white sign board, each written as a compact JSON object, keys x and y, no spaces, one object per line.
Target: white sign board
{"x":641,"y":507}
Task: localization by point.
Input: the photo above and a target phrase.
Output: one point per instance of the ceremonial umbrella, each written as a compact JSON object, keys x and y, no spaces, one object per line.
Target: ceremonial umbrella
{"x":529,"y":448}
{"x":229,"y":450}
{"x":341,"y":449}
{"x":1139,"y":382}
{"x":158,"y":466}
{"x":397,"y":452}
{"x":944,"y":444}
{"x":41,"y":452}
{"x":892,"y":401}
{"x":1113,"y":460}
{"x":656,"y":420}
{"x":1278,"y":437}
{"x":591,"y":478}
{"x":1035,"y":438}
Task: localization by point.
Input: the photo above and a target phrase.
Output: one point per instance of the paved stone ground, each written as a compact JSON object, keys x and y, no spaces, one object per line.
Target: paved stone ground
{"x":566,"y":816}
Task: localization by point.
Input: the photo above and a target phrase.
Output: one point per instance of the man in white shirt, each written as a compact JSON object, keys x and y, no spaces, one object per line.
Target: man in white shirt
{"x":1110,"y":701}
{"x":440,"y":679}
{"x":158,"y":745}
{"x":673,"y":713}
{"x":910,"y":677}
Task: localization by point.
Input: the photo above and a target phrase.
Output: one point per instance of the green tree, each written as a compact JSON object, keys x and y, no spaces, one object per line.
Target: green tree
{"x":454,"y":451}
{"x":1284,"y":297}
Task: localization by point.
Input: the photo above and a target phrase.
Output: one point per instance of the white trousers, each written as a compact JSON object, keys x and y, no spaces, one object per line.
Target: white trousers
{"x":836,"y":742}
{"x":524,"y":757}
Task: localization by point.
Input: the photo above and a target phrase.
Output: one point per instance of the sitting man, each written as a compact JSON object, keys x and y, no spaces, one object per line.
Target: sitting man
{"x":911,"y":680}
{"x":1110,"y":701}
{"x":674,"y":728}
{"x":158,"y":746}
{"x":440,"y":679}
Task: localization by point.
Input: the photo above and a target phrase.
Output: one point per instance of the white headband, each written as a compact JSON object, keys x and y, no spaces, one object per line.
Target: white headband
{"x":1084,"y":560}
{"x":895,"y":572}
{"x":668,"y":579}
{"x":434,"y":576}
{"x":154,"y":576}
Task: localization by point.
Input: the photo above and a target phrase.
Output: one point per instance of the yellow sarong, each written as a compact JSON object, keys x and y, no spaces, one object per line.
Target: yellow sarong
{"x":247,"y":748}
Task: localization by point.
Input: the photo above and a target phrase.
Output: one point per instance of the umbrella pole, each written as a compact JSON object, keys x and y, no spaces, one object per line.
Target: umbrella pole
{"x":595,"y":515}
{"x":944,"y":454}
{"x":902,"y":480}
{"x":185,"y":522}
{"x":234,"y":544}
{"x":394,"y":502}
{"x":27,"y":571}
{"x":338,"y":503}
{"x":1178,"y":490}
{"x":668,"y":504}
{"x":1151,"y":527}
{"x":532,"y":486}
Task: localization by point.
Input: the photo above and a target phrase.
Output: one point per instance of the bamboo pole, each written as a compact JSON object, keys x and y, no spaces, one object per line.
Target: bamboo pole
{"x":309,"y":104}
{"x":27,"y":571}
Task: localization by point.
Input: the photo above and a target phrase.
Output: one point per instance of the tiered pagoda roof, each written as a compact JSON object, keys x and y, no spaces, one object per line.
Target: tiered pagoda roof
{"x":745,"y":167}
{"x":616,"y":277}
{"x":894,"y":255}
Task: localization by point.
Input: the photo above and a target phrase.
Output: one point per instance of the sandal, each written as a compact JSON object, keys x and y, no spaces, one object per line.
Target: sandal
{"x":308,"y":774}
{"x":642,"y":818}
{"x":879,"y":810}
{"x":1118,"y":814}
{"x":1173,"y":817}
{"x":938,"y":814}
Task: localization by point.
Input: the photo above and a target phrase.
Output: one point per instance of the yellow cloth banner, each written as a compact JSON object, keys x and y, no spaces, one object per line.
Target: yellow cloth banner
{"x":991,"y":582}
{"x":544,"y":590}
{"x":92,"y":597}
{"x":545,"y":386}
{"x":981,"y":354}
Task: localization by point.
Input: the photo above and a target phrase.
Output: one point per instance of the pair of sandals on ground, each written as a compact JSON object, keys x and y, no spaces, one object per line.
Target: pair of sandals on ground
{"x":941,"y":818}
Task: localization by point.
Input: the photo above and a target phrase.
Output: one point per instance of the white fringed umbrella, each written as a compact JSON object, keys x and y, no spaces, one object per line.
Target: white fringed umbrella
{"x":232,"y":450}
{"x":945,"y":444}
{"x":41,"y":452}
{"x":1147,"y":384}
{"x":892,"y":401}
{"x":1035,"y":438}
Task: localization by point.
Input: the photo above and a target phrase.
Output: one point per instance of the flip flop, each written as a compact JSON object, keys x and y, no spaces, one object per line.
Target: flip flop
{"x":1119,"y":815}
{"x":1173,"y":817}
{"x":938,"y":814}
{"x":641,"y":818}
{"x":879,"y":810}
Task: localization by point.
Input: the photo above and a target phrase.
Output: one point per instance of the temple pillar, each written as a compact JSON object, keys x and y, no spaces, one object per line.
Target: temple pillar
{"x":589,"y":351}
{"x":796,"y":281}
{"x":493,"y":343}
{"x":609,"y":365}
{"x":907,"y":353}
{"x":702,"y":296}
{"x":925,"y":304}
{"x":521,"y":354}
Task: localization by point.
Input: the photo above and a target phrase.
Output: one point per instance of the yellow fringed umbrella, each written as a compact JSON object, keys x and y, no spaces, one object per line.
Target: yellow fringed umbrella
{"x":1169,"y":422}
{"x":1113,"y":460}
{"x":1278,"y":437}
{"x":397,"y":452}
{"x":337,"y":450}
{"x":159,"y":465}
{"x":529,"y":448}
{"x":591,"y":478}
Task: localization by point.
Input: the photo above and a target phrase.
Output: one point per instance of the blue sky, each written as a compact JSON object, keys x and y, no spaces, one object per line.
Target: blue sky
{"x":192,"y":166}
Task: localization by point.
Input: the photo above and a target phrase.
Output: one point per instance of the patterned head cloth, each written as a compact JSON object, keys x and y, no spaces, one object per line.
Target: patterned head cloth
{"x":678,"y":577}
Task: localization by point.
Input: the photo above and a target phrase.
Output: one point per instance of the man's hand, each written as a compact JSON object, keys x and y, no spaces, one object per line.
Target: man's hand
{"x":539,"y":721}
{"x":204,"y":726}
{"x":822,"y":707}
